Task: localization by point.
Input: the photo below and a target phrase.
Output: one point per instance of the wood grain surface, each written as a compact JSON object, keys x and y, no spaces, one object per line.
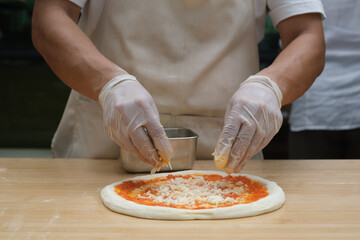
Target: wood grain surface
{"x":60,"y":199}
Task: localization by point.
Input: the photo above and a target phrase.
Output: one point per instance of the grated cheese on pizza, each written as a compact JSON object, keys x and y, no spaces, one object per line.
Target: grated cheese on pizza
{"x":193,"y":191}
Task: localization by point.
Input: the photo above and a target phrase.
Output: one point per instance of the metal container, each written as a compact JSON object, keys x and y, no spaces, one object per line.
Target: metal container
{"x":183,"y":142}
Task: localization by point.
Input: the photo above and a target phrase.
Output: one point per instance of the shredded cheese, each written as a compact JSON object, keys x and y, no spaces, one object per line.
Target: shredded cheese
{"x":191,"y":191}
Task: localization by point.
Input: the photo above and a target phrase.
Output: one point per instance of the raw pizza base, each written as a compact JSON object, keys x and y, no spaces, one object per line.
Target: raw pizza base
{"x":273,"y":201}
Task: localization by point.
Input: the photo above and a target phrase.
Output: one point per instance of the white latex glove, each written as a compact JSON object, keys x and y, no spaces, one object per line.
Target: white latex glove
{"x":252,"y":119}
{"x":132,"y":121}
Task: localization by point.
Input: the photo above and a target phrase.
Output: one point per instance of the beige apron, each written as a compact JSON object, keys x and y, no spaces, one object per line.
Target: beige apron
{"x":191,"y":55}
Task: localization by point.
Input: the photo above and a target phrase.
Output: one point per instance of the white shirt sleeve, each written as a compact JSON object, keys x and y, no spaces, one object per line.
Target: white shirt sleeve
{"x":80,"y":3}
{"x":90,"y":13}
{"x":282,"y":9}
{"x":279,"y":10}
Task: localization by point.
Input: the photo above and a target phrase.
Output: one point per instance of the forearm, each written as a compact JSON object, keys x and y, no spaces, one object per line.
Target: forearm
{"x":298,"y":65}
{"x":68,"y":51}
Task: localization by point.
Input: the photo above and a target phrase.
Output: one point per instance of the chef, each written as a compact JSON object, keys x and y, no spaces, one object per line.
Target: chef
{"x":136,"y":66}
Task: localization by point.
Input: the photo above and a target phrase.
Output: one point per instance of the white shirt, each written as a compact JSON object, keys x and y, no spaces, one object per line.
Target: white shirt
{"x":333,"y":101}
{"x":278,"y":10}
{"x":180,"y":65}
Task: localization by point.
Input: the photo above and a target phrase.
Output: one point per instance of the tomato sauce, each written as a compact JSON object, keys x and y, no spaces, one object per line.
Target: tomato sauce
{"x":253,"y":191}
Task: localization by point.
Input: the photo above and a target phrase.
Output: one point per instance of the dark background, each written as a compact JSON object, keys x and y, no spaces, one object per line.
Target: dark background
{"x":32,"y":98}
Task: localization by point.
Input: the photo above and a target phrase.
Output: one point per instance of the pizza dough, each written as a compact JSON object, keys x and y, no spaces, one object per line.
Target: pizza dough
{"x":273,"y":201}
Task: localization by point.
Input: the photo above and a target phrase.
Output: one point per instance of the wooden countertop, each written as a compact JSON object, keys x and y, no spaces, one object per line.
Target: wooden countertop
{"x":60,"y":199}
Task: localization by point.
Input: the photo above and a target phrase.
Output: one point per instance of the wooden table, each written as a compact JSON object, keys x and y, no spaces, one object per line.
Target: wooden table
{"x":59,"y":199}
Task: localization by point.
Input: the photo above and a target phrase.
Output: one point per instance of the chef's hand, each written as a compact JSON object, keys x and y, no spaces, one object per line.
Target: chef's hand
{"x":252,"y":119}
{"x":132,"y":120}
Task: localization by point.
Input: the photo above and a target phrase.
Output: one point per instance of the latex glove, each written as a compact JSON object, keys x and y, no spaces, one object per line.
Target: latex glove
{"x":132,"y":121}
{"x":252,"y":119}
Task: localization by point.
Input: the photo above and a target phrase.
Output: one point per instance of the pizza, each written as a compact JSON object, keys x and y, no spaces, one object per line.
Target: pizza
{"x":193,"y":195}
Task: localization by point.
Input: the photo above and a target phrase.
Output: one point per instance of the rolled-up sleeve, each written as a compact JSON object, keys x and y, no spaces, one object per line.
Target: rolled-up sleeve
{"x":282,"y":9}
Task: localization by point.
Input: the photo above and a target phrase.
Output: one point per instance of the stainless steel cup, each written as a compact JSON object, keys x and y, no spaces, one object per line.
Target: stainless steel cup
{"x":183,"y":142}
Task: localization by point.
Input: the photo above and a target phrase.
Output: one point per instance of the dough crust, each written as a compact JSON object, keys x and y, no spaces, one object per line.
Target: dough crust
{"x":273,"y":201}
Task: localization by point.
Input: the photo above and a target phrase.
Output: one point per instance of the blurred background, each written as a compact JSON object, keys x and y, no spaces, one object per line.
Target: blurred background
{"x":32,"y":98}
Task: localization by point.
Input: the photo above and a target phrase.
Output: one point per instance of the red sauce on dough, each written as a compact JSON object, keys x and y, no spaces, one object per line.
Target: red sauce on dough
{"x":131,"y":191}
